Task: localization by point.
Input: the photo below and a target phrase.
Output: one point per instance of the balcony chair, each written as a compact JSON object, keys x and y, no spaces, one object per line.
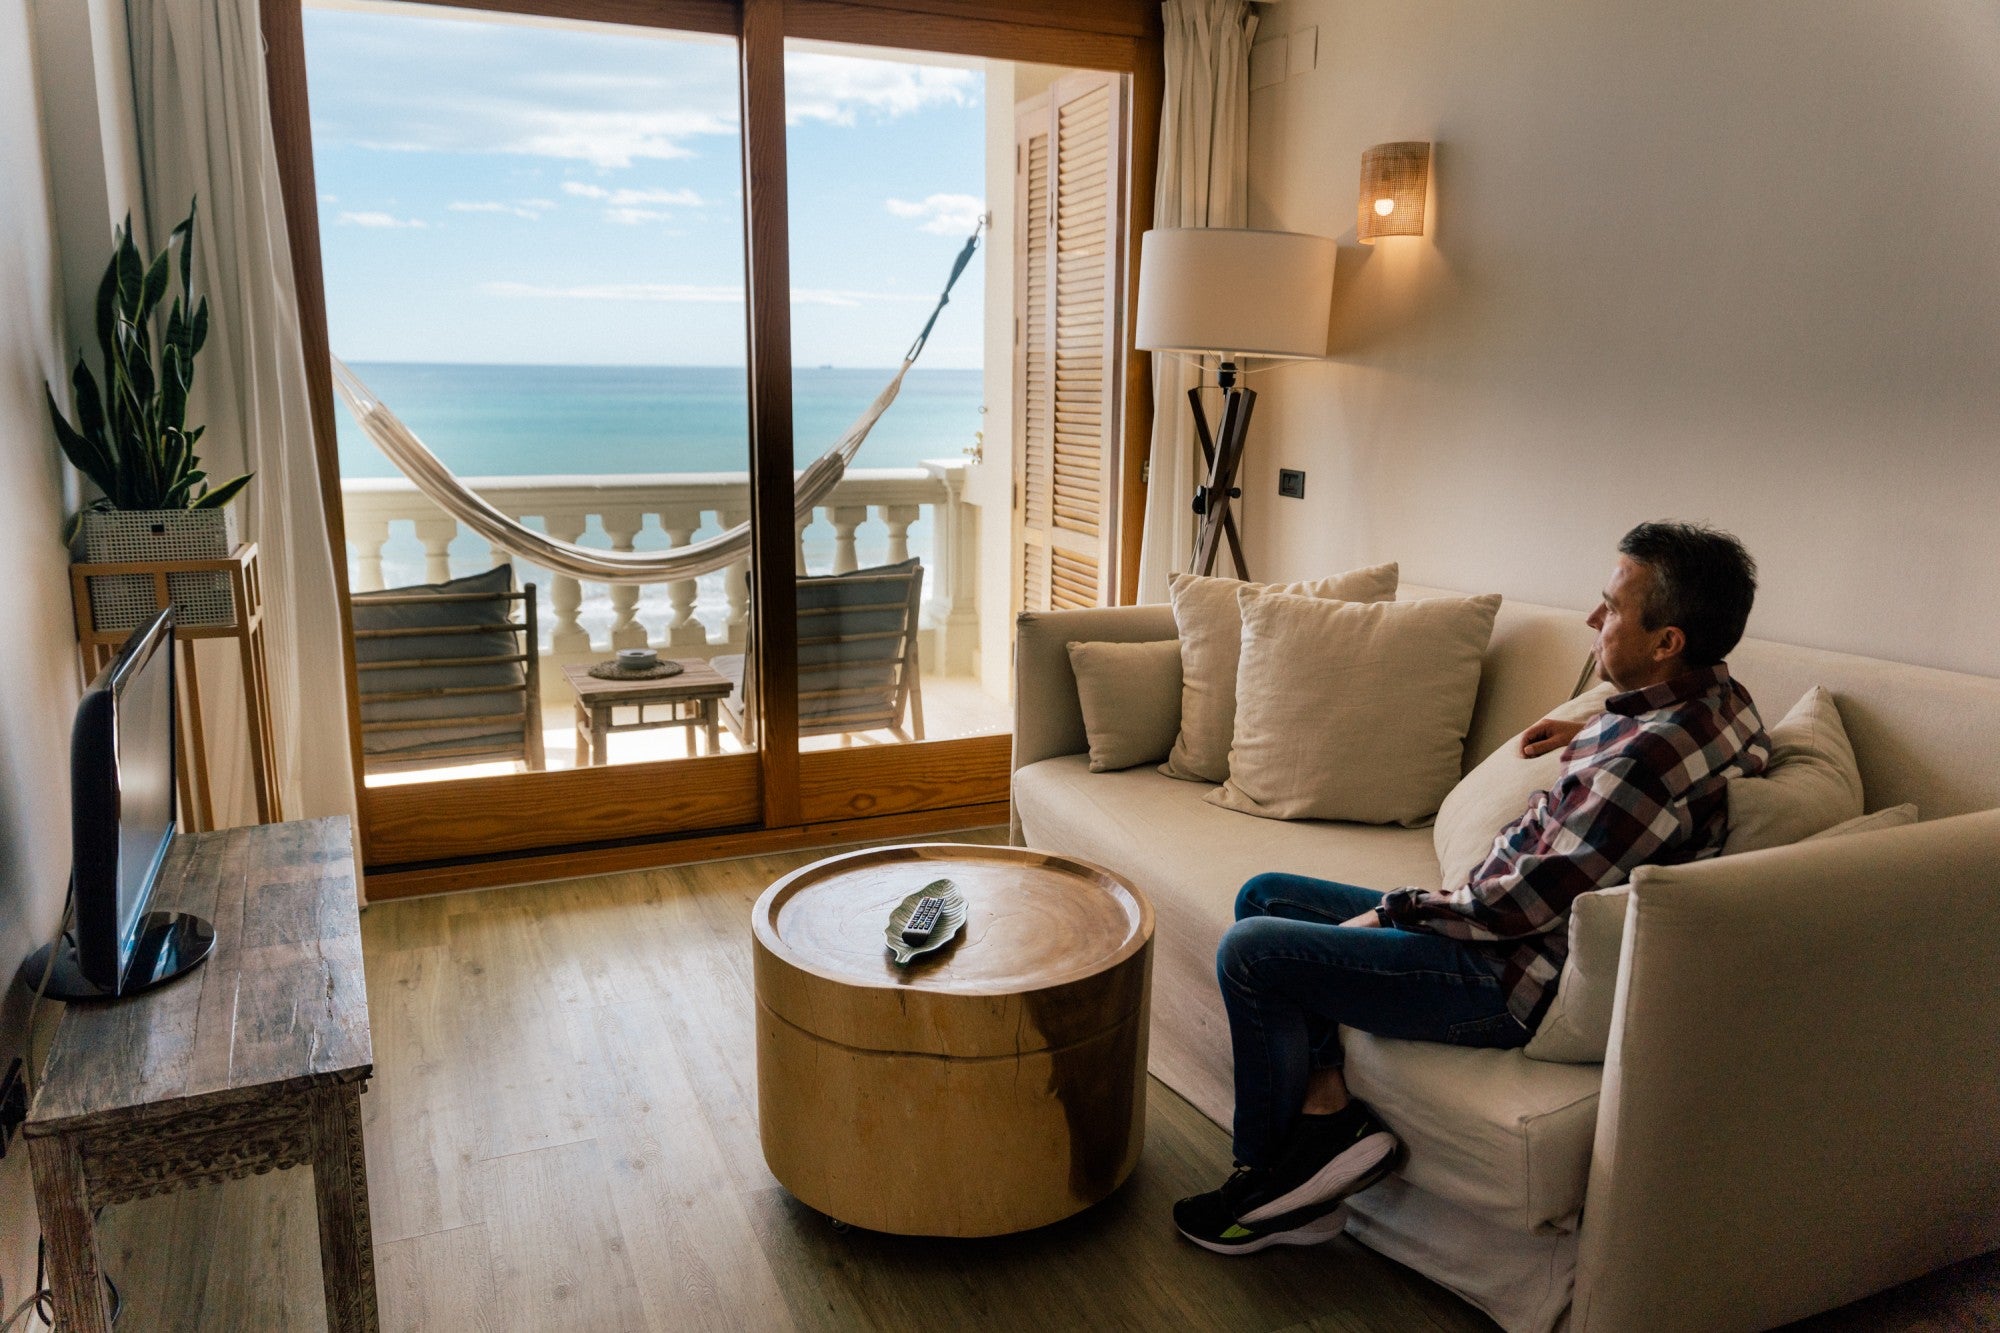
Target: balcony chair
{"x":444,"y":680}
{"x":859,"y":669}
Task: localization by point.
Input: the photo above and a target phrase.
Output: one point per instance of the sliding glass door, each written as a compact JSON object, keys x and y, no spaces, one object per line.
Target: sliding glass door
{"x":533,"y":248}
{"x":641,"y":290}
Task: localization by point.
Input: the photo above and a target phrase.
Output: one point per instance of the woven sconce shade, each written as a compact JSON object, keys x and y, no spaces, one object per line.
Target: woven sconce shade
{"x":1394,"y":177}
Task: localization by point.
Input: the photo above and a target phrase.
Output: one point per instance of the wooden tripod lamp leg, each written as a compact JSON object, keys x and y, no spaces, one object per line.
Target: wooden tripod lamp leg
{"x":1215,"y":516}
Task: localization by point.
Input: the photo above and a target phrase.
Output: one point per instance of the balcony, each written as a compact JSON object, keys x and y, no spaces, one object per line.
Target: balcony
{"x":396,"y":536}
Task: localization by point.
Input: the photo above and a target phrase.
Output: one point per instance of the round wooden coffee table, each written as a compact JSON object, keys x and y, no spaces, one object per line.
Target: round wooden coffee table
{"x":996,"y":1085}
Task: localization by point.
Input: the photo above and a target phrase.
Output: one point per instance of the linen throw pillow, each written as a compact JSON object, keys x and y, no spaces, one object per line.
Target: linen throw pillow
{"x":1211,"y":632}
{"x":1491,"y":797}
{"x":1353,"y":710}
{"x":1812,"y":783}
{"x":1577,"y":1028}
{"x":1131,"y":699}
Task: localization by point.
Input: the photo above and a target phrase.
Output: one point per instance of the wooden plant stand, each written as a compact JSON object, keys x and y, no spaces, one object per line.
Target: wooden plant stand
{"x":98,"y":646}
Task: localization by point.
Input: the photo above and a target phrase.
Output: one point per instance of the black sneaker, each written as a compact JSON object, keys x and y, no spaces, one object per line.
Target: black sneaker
{"x":1210,"y":1220}
{"x":1326,"y":1159}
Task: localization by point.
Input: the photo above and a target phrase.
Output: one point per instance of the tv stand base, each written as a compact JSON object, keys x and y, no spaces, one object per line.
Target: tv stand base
{"x":170,"y":944}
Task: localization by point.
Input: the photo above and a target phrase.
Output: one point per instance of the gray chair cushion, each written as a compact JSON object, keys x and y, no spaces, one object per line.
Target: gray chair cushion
{"x":373,"y":611}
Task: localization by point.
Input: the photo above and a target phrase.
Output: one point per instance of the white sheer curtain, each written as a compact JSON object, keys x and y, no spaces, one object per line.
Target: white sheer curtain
{"x":204,"y":129}
{"x":1204,"y":163}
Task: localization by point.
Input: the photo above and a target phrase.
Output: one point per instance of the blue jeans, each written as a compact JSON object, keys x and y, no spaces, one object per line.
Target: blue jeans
{"x":1291,"y":976}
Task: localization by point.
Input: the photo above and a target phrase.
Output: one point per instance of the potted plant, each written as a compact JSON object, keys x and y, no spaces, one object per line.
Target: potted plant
{"x":132,"y":440}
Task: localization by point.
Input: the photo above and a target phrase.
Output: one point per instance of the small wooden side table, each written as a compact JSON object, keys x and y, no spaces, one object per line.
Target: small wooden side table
{"x":693,"y":700}
{"x":191,"y":760}
{"x":995,"y":1085}
{"x":255,"y":1060}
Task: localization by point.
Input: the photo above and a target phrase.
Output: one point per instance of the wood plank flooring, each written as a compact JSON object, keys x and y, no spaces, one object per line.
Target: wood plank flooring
{"x":562,"y":1134}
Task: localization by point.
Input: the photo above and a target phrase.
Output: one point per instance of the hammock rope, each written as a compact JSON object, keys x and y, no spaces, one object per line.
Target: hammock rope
{"x":811,"y":486}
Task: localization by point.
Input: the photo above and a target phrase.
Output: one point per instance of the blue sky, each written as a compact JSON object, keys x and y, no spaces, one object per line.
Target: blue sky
{"x":494,"y":191}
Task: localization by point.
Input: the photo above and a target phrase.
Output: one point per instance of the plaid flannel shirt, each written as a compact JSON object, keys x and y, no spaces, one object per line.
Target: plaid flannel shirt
{"x":1645,"y":783}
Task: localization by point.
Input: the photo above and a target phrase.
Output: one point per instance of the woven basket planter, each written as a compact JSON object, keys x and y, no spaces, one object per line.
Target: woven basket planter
{"x":156,"y":536}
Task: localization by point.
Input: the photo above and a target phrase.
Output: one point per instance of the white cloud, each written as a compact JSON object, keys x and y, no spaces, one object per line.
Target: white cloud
{"x":380,"y":220}
{"x":531,"y":209}
{"x":631,"y":207}
{"x":688,"y":293}
{"x":633,"y":198}
{"x":944,"y":214}
{"x":834,"y":88}
{"x":423,"y":85}
{"x":632,"y":217}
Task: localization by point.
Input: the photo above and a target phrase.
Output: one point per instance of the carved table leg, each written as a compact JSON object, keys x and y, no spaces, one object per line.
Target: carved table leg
{"x":62,"y":1196}
{"x":340,"y":1179}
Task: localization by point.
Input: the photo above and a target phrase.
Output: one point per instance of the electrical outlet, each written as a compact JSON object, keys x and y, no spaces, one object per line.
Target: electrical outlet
{"x":13,"y":1103}
{"x":1292,"y":483}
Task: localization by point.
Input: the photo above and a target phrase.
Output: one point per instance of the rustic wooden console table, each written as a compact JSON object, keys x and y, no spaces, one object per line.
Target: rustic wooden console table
{"x":255,"y":1060}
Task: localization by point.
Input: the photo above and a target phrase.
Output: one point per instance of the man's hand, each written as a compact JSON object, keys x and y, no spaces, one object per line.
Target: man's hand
{"x":1547,"y":735}
{"x":1367,"y":918}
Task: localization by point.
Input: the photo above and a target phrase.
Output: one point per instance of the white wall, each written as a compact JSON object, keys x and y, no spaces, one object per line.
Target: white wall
{"x":38,"y":667}
{"x":1738,"y":263}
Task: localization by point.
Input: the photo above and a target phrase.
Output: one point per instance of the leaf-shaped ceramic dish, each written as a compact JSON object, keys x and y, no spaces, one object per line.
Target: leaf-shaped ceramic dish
{"x":950,"y":920}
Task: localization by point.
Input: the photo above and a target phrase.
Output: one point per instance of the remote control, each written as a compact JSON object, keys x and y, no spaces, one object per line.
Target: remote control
{"x":924,"y":919}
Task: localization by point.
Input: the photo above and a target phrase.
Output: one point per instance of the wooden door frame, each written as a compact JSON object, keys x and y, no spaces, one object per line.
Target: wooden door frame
{"x":790,"y":792}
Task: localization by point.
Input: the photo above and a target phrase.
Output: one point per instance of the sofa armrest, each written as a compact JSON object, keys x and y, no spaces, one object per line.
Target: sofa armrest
{"x":1800,"y":1104}
{"x":1048,"y":721}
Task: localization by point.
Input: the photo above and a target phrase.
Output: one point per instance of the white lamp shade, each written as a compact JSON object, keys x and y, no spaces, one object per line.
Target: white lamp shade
{"x":1235,"y":291}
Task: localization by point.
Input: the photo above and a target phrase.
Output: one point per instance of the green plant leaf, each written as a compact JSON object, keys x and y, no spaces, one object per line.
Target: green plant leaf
{"x":155,"y":288}
{"x":175,"y":373}
{"x":200,"y":328}
{"x":177,"y":325}
{"x":223,"y":494}
{"x":186,"y":234}
{"x":82,"y":453}
{"x":131,"y":277}
{"x":107,"y":309}
{"x":89,"y":406}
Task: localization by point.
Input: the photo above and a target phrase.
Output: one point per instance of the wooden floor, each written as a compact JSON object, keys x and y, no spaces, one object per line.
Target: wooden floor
{"x":562,"y":1135}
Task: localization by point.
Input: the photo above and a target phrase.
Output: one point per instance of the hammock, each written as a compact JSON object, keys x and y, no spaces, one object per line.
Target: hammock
{"x":447,"y":492}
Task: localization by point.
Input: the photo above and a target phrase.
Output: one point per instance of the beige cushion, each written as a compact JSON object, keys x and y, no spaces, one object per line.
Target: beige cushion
{"x":1491,"y":797}
{"x":1131,"y":699}
{"x":1812,"y":783}
{"x":1211,"y":631}
{"x":1351,"y":710}
{"x":1896,"y":816}
{"x":1491,"y":1131}
{"x":1577,"y":1027}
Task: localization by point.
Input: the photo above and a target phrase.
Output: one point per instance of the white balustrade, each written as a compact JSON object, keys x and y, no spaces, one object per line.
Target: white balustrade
{"x":685,"y":504}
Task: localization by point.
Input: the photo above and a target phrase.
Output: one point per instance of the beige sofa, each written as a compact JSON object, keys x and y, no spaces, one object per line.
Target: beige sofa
{"x":1800,"y":1102}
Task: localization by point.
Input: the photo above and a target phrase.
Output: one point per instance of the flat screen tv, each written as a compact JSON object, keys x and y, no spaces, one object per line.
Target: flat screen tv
{"x":123,"y":818}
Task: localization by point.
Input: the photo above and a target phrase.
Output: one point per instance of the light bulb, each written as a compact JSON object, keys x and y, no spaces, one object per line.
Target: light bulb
{"x":1384,"y":207}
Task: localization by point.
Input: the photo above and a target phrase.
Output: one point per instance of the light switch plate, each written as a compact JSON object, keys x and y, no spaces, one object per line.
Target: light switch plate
{"x":1268,"y":61}
{"x":1302,"y":52}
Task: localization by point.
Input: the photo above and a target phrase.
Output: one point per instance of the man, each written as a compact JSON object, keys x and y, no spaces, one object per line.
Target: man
{"x":1643,"y":783}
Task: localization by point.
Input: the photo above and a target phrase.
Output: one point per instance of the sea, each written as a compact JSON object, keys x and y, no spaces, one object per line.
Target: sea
{"x":514,"y":420}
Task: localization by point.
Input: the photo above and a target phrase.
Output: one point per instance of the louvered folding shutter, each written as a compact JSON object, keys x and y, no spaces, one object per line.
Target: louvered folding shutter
{"x":1069,"y":173}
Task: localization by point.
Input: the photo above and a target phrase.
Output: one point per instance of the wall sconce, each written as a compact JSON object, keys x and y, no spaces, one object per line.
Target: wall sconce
{"x":1394,"y":177}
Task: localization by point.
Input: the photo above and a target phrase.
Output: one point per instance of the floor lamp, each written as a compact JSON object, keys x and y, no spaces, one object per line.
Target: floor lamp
{"x":1231,"y":293}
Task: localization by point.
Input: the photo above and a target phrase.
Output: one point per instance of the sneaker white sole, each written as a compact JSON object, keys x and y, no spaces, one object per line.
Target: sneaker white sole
{"x":1316,"y":1232}
{"x":1339,"y":1178}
